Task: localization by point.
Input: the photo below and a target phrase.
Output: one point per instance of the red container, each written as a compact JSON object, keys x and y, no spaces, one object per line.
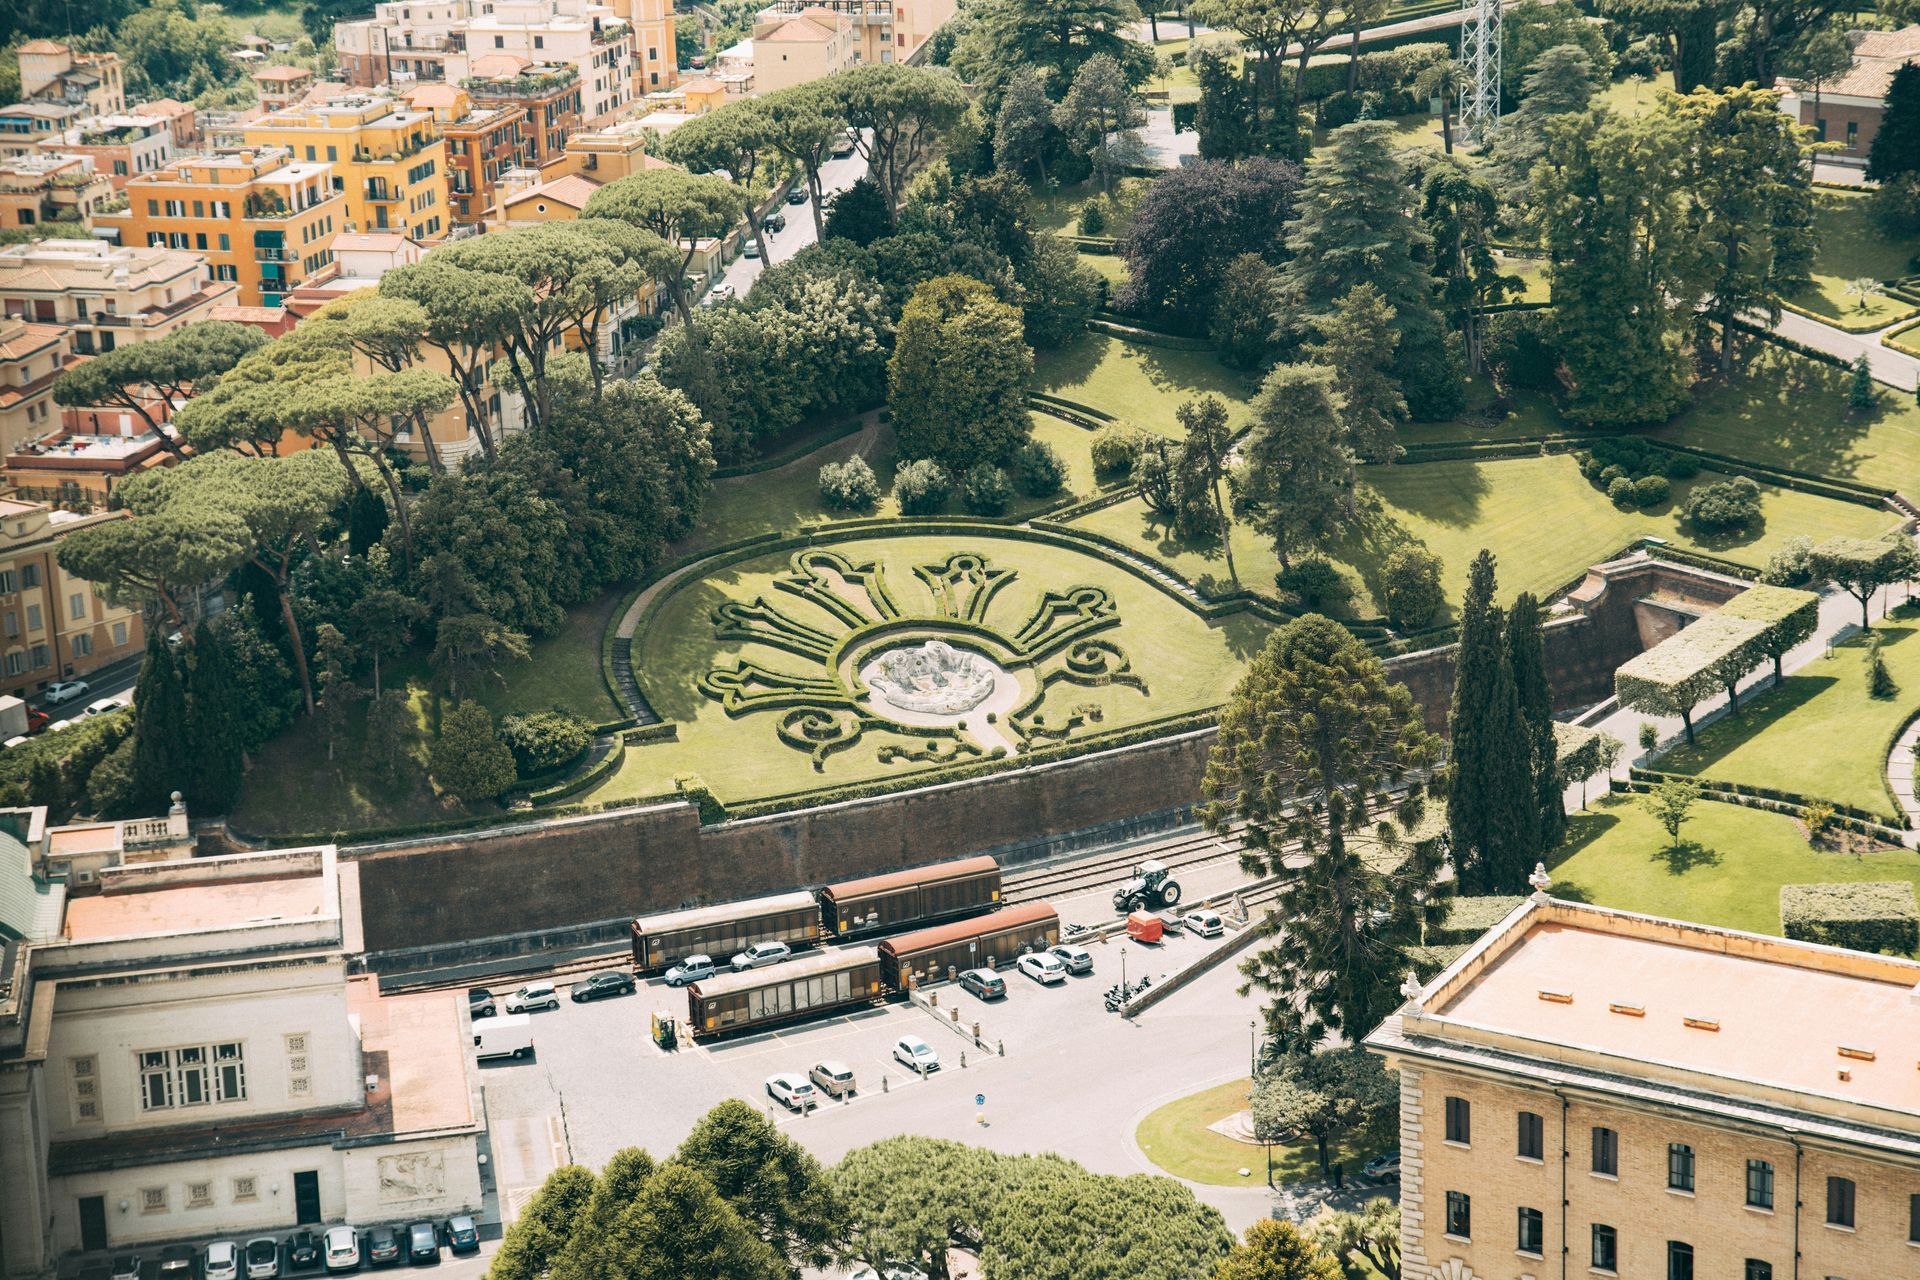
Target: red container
{"x":1144,"y":926}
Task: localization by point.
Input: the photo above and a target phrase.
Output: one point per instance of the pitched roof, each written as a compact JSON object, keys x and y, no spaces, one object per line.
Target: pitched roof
{"x":44,"y":46}
{"x":283,"y":73}
{"x":796,"y":31}
{"x":1876,"y":56}
{"x":702,"y":85}
{"x":574,"y":191}
{"x":490,"y":66}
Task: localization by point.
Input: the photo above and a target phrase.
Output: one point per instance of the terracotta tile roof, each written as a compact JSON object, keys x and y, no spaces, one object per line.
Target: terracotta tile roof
{"x":1876,"y":56}
{"x":44,"y":46}
{"x":574,"y":190}
{"x":488,"y":66}
{"x":433,"y":95}
{"x":702,"y":85}
{"x":16,"y":344}
{"x":283,"y":73}
{"x":796,"y":31}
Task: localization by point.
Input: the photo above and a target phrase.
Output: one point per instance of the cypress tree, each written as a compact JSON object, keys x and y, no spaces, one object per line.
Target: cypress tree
{"x":1492,"y":818}
{"x":160,"y":757}
{"x":216,"y":755}
{"x":1896,"y":146}
{"x":1527,"y":656}
{"x":366,"y":519}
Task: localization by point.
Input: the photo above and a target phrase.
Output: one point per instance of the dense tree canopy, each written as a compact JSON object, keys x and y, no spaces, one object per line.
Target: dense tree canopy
{"x":1196,"y":220}
{"x":958,"y":379}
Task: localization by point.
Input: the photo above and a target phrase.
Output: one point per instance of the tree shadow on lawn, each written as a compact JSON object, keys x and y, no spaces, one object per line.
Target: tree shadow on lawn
{"x":1683,"y":856}
{"x":1070,"y":366}
{"x":1374,"y":535}
{"x":1757,"y":715}
{"x":1775,"y":402}
{"x":1455,"y":501}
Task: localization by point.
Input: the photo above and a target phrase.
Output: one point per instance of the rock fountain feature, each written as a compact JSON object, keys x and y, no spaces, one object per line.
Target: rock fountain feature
{"x":934,"y":683}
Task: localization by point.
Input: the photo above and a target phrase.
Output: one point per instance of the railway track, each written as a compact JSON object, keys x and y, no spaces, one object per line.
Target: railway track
{"x":1193,"y":849}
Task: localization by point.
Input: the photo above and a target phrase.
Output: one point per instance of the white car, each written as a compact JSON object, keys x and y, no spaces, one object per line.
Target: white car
{"x":1043,"y":967}
{"x":107,"y":706}
{"x":222,"y":1261}
{"x":1205,"y":924}
{"x":263,"y":1258}
{"x":535,"y":995}
{"x":1077,"y":959}
{"x":60,"y":726}
{"x":761,"y":954}
{"x":341,"y":1248}
{"x":722,"y":292}
{"x":912,"y":1051}
{"x":65,"y":691}
{"x":793,"y":1091}
{"x":692,"y":969}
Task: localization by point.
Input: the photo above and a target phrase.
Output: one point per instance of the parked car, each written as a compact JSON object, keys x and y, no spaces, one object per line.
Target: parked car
{"x":833,"y":1078}
{"x":462,"y":1232}
{"x":535,"y":995}
{"x":1382,"y":1168}
{"x":423,"y":1243}
{"x":263,"y":1258}
{"x":1205,"y":924}
{"x":893,"y":1270}
{"x":179,"y":1262}
{"x":17,"y":740}
{"x":66,"y":691}
{"x":109,"y":705}
{"x":842,"y":147}
{"x":480,"y":1002}
{"x":752,"y":250}
{"x":762,"y":954}
{"x":221,"y":1261}
{"x":303,"y":1251}
{"x":720,"y":293}
{"x":912,"y":1051}
{"x":609,"y":983}
{"x":774,"y":223}
{"x":1043,"y":967}
{"x":341,"y":1248}
{"x":60,"y":726}
{"x":984,"y":983}
{"x":1076,"y":959}
{"x":794,"y":1092}
{"x":797,"y":196}
{"x":383,"y":1246}
{"x":692,"y":969}
{"x":126,"y":1266}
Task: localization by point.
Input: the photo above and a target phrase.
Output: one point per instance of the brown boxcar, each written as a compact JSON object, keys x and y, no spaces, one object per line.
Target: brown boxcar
{"x":912,"y":898}
{"x":719,"y":931}
{"x":835,"y":978}
{"x":996,"y":940}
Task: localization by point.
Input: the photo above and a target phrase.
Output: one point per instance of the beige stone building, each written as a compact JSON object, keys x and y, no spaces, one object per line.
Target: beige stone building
{"x":1587,"y":1092}
{"x":53,"y":625}
{"x":53,"y":72}
{"x":38,"y":189}
{"x":884,"y":30}
{"x":184,"y":1053}
{"x":106,"y":295}
{"x":800,"y":48}
{"x":31,"y":357}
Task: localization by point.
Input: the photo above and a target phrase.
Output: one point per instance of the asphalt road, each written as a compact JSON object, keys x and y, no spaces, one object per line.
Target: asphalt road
{"x":835,"y":176}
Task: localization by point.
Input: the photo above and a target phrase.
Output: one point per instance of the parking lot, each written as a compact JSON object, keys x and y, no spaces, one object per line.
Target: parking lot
{"x":1073,"y":1076}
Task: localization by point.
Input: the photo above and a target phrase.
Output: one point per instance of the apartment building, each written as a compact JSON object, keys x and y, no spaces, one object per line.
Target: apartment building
{"x":404,"y":40}
{"x":31,"y":357}
{"x":25,"y":125}
{"x":282,"y":86}
{"x":121,"y":146}
{"x":388,"y":160}
{"x":885,"y":30}
{"x":802,"y":47}
{"x":53,"y":72}
{"x":607,"y":155}
{"x":1591,"y":1092}
{"x":53,"y":626}
{"x":82,"y":461}
{"x":655,"y":55}
{"x":260,"y":219}
{"x":181,"y":117}
{"x":106,"y":294}
{"x":184,"y":1053}
{"x":585,"y":35}
{"x":484,"y":140}
{"x":547,"y":92}
{"x":37,"y":189}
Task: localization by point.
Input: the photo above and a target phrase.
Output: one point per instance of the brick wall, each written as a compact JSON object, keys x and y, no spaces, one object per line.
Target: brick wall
{"x":1864,"y":119}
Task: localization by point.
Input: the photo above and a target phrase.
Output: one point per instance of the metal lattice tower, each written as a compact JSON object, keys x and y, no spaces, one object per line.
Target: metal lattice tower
{"x":1480,"y":51}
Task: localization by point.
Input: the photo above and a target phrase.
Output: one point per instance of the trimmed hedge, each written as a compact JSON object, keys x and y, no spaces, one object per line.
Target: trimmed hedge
{"x":592,"y":776}
{"x":1430,"y":961}
{"x":1852,"y":817}
{"x":1874,"y":915}
{"x":1148,"y":337}
{"x":1463,"y":920}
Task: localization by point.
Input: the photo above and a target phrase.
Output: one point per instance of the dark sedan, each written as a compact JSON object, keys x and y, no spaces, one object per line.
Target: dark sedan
{"x":609,"y":983}
{"x":797,"y":196}
{"x":383,"y":1246}
{"x":303,"y":1251}
{"x":423,"y":1243}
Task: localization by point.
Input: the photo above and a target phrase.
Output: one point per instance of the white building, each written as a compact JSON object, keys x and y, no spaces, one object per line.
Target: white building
{"x":184,"y":1054}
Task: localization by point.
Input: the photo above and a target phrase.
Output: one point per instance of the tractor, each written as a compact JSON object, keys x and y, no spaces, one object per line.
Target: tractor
{"x":1151,"y":888}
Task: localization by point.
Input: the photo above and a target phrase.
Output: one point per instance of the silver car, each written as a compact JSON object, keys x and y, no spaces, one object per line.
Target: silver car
{"x":1076,"y":959}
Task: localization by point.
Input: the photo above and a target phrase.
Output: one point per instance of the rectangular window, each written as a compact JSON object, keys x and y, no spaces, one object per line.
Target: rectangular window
{"x":230,"y":1072}
{"x":1532,"y":1135}
{"x":29,"y":575}
{"x":245,"y":1189}
{"x":333,"y":153}
{"x":199,"y":208}
{"x":1679,"y":1166}
{"x":1913,"y":1219}
{"x":1758,"y":1270}
{"x":12,"y":623}
{"x":119,"y":634}
{"x":200,"y":241}
{"x":1853,"y":134}
{"x":1606,"y":1152}
{"x":38,"y":657}
{"x":1460,"y":1214}
{"x":1840,"y":1202}
{"x":33,"y":617}
{"x":1759,"y":1185}
{"x":1532,"y":1235}
{"x":190,"y":1074}
{"x":16,"y":663}
{"x":156,"y":1082}
{"x":226,"y":242}
{"x":9,"y":582}
{"x":1459,"y":1120}
{"x":1606,"y":1248}
{"x":1679,"y":1260}
{"x":77,"y":605}
{"x":83,"y":645}
{"x":153,"y":1200}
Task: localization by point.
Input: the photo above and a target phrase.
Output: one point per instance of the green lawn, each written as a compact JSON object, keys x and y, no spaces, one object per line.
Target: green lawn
{"x":1059,"y":210}
{"x":1851,"y":245}
{"x":1141,"y":384}
{"x":1727,"y":871}
{"x":1176,"y":1138}
{"x":1818,"y":733}
{"x":1539,"y":516}
{"x":1187,"y":662}
{"x":1789,"y":411}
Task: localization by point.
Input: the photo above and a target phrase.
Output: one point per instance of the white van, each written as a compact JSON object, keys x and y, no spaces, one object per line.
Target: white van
{"x":509,"y":1035}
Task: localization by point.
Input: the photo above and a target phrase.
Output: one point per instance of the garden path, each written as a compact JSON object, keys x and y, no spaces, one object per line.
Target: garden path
{"x":1901,"y":768}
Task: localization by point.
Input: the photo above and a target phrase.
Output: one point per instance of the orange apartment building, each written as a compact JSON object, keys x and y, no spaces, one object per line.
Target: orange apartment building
{"x":54,"y":626}
{"x":549,"y":93}
{"x":106,"y":295}
{"x":38,"y":189}
{"x":483,"y":142}
{"x":262,"y":221}
{"x":387,"y":159}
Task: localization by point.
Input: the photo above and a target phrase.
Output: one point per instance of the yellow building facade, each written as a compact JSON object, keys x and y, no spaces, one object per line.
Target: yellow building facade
{"x":388,"y":161}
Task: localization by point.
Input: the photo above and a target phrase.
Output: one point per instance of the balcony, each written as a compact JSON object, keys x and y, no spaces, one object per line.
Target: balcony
{"x":381,"y":195}
{"x":275,"y":255}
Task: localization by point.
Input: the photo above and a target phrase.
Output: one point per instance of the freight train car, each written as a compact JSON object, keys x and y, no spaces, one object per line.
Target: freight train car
{"x":835,"y":978}
{"x":913,"y":898}
{"x":997,"y":940}
{"x":719,"y":931}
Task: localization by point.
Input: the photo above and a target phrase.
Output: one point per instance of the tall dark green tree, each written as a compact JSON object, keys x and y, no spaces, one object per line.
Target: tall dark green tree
{"x":216,"y":749}
{"x":160,"y":760}
{"x":1492,"y":824}
{"x":771,"y":1181}
{"x":1314,"y":748}
{"x":1527,"y":657}
{"x":1295,"y":481}
{"x":1355,"y":224}
{"x":1896,"y":147}
{"x":366,"y":520}
{"x":535,"y":1241}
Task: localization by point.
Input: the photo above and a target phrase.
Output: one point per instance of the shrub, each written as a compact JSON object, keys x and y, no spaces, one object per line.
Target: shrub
{"x":468,"y":760}
{"x":922,"y":487}
{"x":984,"y":490}
{"x":1342,"y":108}
{"x":1880,"y":682}
{"x":1621,"y":491}
{"x":849,"y":485}
{"x":1728,"y":504}
{"x":1651,"y":491}
{"x":1874,"y":915}
{"x":1410,"y":587}
{"x":1114,"y":450}
{"x":544,"y":740}
{"x":1093,"y":216}
{"x":1610,"y":476}
{"x":1791,"y":565}
{"x":1519,"y":351}
{"x":1038,"y":470}
{"x":1681,"y":466}
{"x":1315,"y":581}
